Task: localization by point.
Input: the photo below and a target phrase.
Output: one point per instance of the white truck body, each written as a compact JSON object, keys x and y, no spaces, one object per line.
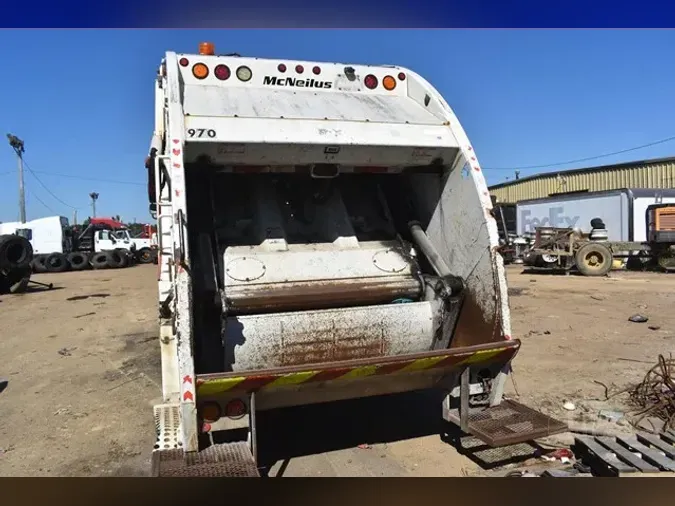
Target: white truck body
{"x":623,"y":211}
{"x":46,"y":235}
{"x":124,"y":236}
{"x":284,"y":191}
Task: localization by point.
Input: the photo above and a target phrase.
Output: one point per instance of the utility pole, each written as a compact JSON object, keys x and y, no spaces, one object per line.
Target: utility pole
{"x":517,"y":174}
{"x":75,"y":217}
{"x":94,"y":198}
{"x":17,"y":145}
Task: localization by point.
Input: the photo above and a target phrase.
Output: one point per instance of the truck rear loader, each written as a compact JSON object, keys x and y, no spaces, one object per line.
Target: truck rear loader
{"x":325,"y":233}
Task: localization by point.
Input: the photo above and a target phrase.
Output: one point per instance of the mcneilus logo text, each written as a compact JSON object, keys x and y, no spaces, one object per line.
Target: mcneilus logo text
{"x":296,"y":83}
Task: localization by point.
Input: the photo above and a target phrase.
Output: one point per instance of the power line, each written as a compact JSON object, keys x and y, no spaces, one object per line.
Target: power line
{"x":41,"y":202}
{"x":668,"y":139}
{"x":98,"y":180}
{"x":46,"y":187}
{"x":71,"y":176}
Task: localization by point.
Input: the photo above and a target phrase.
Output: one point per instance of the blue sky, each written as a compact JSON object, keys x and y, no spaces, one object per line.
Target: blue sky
{"x":83,"y":100}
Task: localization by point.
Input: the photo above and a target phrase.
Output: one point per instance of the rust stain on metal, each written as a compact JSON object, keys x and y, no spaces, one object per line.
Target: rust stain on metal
{"x":508,"y":350}
{"x":339,"y":344}
{"x":312,"y":295}
{"x":472,"y":327}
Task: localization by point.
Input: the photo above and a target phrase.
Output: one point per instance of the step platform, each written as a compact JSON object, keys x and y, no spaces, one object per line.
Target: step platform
{"x":217,"y":461}
{"x":507,"y":423}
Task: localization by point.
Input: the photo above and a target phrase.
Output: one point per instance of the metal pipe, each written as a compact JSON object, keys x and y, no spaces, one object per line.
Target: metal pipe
{"x":422,"y":240}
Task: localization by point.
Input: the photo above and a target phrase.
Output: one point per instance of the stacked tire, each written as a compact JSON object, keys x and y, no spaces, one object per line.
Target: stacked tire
{"x":16,"y":254}
{"x":81,"y":260}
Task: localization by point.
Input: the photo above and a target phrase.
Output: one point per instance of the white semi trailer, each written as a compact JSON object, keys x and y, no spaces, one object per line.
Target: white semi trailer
{"x":325,"y":233}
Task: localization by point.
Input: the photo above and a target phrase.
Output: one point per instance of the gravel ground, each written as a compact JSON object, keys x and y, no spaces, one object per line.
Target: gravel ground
{"x":83,"y":369}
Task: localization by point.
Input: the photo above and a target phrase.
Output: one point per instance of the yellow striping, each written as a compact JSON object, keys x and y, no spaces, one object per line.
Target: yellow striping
{"x":480,"y":356}
{"x":218,"y":386}
{"x":360,"y":372}
{"x":422,"y":363}
{"x":292,"y":379}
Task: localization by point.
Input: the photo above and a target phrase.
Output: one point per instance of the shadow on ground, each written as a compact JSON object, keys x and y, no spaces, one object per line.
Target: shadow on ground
{"x":289,"y":433}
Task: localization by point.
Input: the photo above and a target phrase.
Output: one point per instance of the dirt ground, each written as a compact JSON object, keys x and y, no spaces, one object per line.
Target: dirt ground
{"x":83,"y":367}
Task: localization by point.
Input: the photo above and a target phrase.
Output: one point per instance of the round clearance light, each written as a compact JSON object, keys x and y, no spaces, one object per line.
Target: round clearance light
{"x":370,"y":81}
{"x":184,"y":62}
{"x":299,"y":69}
{"x":281,"y":68}
{"x":401,"y":76}
{"x":211,"y":412}
{"x":200,"y":71}
{"x":389,"y":83}
{"x":235,"y":409}
{"x":244,"y":74}
{"x":222,"y":72}
{"x":316,"y":71}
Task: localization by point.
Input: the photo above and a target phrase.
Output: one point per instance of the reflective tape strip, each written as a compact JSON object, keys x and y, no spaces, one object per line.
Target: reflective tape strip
{"x":214,"y":386}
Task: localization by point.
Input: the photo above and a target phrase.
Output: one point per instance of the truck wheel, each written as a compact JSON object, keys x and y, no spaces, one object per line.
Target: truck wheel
{"x":594,"y":259}
{"x":38,"y":264}
{"x":99,"y":260}
{"x":666,"y":261}
{"x":117,"y":259}
{"x":16,"y":252}
{"x":56,"y":262}
{"x":78,"y":261}
{"x":144,"y":256}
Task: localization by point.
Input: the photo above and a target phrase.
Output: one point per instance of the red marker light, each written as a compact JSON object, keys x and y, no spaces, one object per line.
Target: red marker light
{"x":281,"y":67}
{"x":370,"y":81}
{"x":235,"y":409}
{"x":222,"y":72}
{"x":184,"y":62}
{"x":299,"y":69}
{"x":316,"y":71}
{"x":401,"y":76}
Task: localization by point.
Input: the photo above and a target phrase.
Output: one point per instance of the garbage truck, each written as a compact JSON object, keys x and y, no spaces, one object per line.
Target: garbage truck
{"x":325,"y":233}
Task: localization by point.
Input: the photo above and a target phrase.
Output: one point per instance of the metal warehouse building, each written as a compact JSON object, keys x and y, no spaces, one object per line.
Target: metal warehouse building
{"x":656,"y":173}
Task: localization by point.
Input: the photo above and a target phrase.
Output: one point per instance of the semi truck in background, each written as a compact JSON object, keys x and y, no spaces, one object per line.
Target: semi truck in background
{"x":325,"y":233}
{"x":145,"y":246}
{"x":58,"y":247}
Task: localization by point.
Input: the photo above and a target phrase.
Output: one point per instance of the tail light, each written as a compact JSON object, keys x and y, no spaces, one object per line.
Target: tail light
{"x":200,"y":71}
{"x":370,"y":81}
{"x":210,"y":412}
{"x":222,"y":72}
{"x":235,"y":409}
{"x":389,"y":83}
{"x":244,"y":74}
{"x":184,"y":62}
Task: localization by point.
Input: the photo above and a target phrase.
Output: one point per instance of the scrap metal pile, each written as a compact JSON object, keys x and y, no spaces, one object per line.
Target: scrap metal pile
{"x":655,"y":396}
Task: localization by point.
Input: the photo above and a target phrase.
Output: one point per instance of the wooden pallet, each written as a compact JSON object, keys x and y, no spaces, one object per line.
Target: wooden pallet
{"x":639,"y":455}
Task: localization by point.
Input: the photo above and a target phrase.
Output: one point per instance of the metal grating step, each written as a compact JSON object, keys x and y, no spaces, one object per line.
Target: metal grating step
{"x":509,"y":423}
{"x":225,"y":460}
